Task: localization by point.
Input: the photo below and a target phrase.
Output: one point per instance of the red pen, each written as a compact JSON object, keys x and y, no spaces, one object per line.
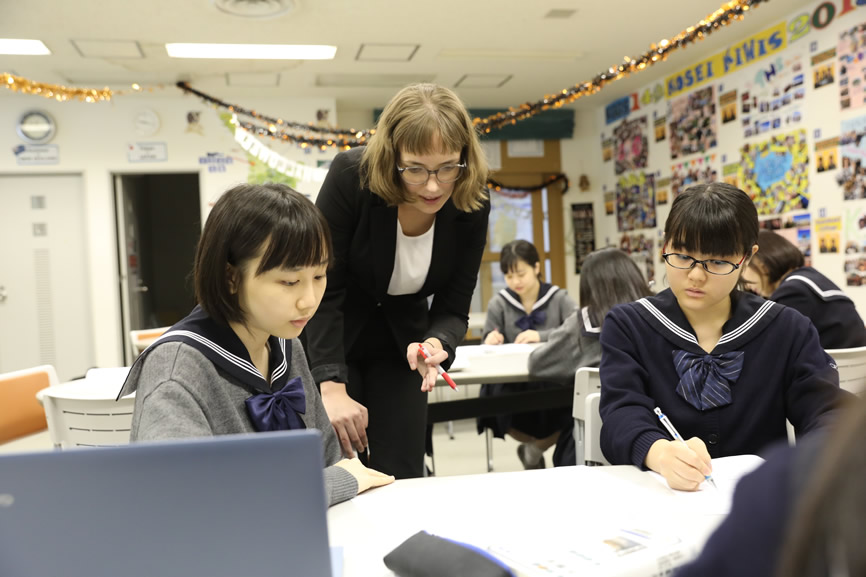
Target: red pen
{"x":439,"y":368}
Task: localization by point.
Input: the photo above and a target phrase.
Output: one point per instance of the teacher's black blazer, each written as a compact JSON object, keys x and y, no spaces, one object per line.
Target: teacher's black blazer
{"x":364,"y":233}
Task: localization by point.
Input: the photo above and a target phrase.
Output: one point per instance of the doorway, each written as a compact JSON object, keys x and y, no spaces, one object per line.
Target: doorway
{"x":158,"y":227}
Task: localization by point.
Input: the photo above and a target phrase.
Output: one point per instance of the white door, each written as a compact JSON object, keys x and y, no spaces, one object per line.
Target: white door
{"x":45,"y":313}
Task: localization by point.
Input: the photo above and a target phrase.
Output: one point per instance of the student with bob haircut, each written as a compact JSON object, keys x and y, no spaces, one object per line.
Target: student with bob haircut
{"x":408,"y":215}
{"x":778,"y":272}
{"x":726,"y":366}
{"x":526,"y":311}
{"x":234,"y":364}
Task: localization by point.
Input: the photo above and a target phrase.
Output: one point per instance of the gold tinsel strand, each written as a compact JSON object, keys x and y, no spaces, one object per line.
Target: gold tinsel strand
{"x":62,"y":93}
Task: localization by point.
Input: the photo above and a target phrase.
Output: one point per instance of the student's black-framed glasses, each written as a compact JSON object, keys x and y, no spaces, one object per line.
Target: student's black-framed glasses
{"x":420,"y":175}
{"x":711,"y":265}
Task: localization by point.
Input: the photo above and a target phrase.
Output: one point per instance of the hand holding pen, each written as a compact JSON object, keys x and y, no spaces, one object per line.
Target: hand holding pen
{"x":426,"y":358}
{"x":684,"y":464}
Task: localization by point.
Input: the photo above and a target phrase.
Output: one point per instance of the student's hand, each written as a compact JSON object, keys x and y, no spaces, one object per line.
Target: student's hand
{"x":427,"y":367}
{"x":348,"y":417}
{"x":494,"y":338}
{"x":367,"y":478}
{"x":684,"y":467}
{"x":529,"y":336}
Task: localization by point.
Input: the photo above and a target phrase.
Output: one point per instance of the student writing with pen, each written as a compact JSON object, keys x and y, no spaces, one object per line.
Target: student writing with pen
{"x":725,"y":365}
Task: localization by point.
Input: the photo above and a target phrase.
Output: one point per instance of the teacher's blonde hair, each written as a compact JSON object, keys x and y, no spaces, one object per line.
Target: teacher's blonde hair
{"x":416,"y":119}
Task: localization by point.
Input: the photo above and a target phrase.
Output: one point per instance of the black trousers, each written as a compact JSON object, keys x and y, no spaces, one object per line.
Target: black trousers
{"x":381,"y":380}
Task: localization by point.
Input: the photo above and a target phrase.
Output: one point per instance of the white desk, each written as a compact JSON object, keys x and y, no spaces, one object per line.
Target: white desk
{"x":482,"y":364}
{"x":522,"y":507}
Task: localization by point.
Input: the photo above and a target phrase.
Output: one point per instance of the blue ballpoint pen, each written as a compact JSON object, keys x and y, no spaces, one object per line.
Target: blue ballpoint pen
{"x":677,"y":437}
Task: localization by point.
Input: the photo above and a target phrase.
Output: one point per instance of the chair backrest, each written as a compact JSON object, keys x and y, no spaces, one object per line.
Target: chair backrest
{"x":142,"y":339}
{"x":20,"y":412}
{"x":83,"y":413}
{"x":852,"y":369}
{"x":593,"y":454}
{"x":586,"y":383}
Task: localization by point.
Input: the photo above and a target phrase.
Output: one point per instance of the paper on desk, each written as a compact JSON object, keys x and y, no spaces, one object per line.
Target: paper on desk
{"x":727,"y":471}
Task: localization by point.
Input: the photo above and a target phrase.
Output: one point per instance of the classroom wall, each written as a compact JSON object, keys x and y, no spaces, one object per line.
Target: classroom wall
{"x":93,"y":140}
{"x":815,"y":117}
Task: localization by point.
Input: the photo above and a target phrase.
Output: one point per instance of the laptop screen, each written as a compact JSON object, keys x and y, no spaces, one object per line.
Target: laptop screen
{"x":230,"y":506}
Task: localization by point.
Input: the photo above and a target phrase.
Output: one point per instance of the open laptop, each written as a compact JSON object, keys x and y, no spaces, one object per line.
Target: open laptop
{"x":230,"y":506}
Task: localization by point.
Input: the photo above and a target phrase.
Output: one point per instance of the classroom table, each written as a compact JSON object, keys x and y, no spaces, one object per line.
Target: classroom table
{"x":528,"y":507}
{"x":484,"y":364}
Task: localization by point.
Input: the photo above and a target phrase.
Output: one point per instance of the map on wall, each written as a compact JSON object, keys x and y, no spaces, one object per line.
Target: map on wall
{"x":630,"y":141}
{"x":696,"y":171}
{"x":692,"y":122}
{"x":635,"y":201}
{"x":772,"y":99}
{"x":852,"y":66}
{"x":775,"y":173}
{"x":852,"y":142}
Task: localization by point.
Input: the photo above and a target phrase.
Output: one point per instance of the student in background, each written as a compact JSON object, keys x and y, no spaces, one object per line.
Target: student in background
{"x":526,"y":311}
{"x":798,"y":515}
{"x":778,"y":273}
{"x":408,"y":215}
{"x":726,"y":366}
{"x":234,"y":364}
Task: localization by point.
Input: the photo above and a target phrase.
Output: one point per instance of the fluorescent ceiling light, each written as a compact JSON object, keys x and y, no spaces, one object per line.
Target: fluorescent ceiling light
{"x":23,"y":47}
{"x":252,"y":51}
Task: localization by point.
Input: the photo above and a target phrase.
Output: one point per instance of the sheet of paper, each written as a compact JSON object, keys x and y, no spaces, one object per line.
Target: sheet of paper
{"x":727,"y":471}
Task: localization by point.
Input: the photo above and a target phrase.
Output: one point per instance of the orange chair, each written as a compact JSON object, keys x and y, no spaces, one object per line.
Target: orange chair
{"x":20,"y":412}
{"x":142,"y":339}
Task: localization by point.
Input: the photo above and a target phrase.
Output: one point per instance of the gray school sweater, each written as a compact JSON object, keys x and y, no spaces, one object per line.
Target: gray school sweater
{"x":180,"y":393}
{"x":569,"y":347}
{"x":504,"y":309}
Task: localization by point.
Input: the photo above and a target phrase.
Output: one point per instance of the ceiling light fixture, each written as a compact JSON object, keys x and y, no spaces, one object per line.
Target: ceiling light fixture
{"x":252,"y":51}
{"x":21,"y":47}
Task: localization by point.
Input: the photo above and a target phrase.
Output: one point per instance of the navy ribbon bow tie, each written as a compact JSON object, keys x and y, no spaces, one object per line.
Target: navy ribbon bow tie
{"x":279,"y":411}
{"x":705,"y":380}
{"x":534,"y":319}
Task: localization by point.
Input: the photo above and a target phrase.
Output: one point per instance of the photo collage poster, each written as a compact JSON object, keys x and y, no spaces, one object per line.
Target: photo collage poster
{"x":773,"y":98}
{"x":630,"y":145}
{"x":796,"y":228}
{"x":852,"y":144}
{"x":775,"y":173}
{"x":696,"y":171}
{"x":855,"y":246}
{"x":692,"y":121}
{"x":635,"y":201}
{"x":852,"y":67}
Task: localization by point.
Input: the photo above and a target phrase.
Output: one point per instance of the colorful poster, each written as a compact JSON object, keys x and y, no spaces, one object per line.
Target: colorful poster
{"x":775,"y":174}
{"x":697,"y":171}
{"x":823,"y":68}
{"x":728,"y":105}
{"x":631,"y":145}
{"x":773,"y":98}
{"x":584,"y":233}
{"x":730,"y":174}
{"x":826,"y":154}
{"x":660,"y":128}
{"x":692,"y":121}
{"x":662,"y":185}
{"x":852,"y":67}
{"x":635,"y":201}
{"x":798,"y":230}
{"x":829,"y":233}
{"x":852,"y":142}
{"x":855,"y":231}
{"x":606,"y":149}
{"x":640,"y":248}
{"x":609,"y":203}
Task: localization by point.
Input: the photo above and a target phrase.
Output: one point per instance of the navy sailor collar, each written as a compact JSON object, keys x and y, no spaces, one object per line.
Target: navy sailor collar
{"x":750,"y":316}
{"x":814,"y":281}
{"x":545,"y":293}
{"x":223,"y":348}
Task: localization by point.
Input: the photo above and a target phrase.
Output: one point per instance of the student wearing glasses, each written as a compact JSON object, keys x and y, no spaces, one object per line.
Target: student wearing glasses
{"x":726,"y":366}
{"x":408,"y":217}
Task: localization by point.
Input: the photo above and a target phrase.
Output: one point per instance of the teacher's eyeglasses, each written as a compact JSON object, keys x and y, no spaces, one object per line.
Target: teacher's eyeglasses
{"x":420,"y":175}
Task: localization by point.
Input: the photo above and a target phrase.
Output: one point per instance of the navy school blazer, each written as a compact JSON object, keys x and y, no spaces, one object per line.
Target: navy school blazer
{"x":364,"y":233}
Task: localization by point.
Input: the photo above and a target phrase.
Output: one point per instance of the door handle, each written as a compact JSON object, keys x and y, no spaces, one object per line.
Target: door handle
{"x":3,"y":294}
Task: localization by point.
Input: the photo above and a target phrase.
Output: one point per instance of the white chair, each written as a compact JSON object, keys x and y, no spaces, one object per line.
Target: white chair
{"x":593,"y":454}
{"x":83,"y":413}
{"x":851,"y":364}
{"x":587,"y":422}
